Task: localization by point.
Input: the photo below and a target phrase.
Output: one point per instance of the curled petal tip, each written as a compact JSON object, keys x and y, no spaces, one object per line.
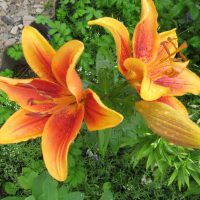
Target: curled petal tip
{"x":38,"y":52}
{"x":97,"y":115}
{"x":121,"y":37}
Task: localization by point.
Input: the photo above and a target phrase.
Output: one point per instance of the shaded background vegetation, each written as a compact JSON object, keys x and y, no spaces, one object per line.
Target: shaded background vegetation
{"x":127,"y":162}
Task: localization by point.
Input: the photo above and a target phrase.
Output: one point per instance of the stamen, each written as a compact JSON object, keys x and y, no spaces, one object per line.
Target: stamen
{"x":183,"y":46}
{"x":27,"y":85}
{"x":43,"y":94}
{"x":38,"y":114}
{"x":40,"y":92}
{"x":182,"y":56}
{"x":33,"y":102}
{"x":169,"y":39}
{"x":165,"y":47}
{"x":30,"y":102}
{"x":177,"y":59}
{"x":180,"y":53}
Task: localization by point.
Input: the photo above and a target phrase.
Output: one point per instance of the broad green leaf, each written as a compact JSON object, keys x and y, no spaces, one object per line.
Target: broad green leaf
{"x":26,"y":181}
{"x":194,"y":41}
{"x":176,"y":10}
{"x":107,"y":195}
{"x":37,"y":187}
{"x":30,"y":198}
{"x":104,"y":138}
{"x":74,"y":196}
{"x":10,"y":188}
{"x":106,"y":186}
{"x":13,"y":198}
{"x":49,"y":189}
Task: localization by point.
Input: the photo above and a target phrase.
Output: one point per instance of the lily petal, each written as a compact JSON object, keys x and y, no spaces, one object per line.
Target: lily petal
{"x":184,"y":82}
{"x":25,"y":91}
{"x":174,"y":103}
{"x":135,"y":72}
{"x":21,"y":127}
{"x":151,"y":91}
{"x":146,"y":39}
{"x":121,"y":37}
{"x":59,"y":132}
{"x":63,"y":67}
{"x":38,"y":53}
{"x":169,"y":124}
{"x":97,"y":115}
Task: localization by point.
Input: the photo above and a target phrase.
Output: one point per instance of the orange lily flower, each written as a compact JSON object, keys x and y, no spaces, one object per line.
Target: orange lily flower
{"x":152,"y":69}
{"x":54,"y":105}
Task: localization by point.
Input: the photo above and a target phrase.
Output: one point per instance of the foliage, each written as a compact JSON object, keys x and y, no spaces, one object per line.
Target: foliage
{"x":15,"y":52}
{"x":44,"y":187}
{"x":166,"y":160}
{"x":6,"y":107}
{"x":14,"y":157}
{"x":127,"y":162}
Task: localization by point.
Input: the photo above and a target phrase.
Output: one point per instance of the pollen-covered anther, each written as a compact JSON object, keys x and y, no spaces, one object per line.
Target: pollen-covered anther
{"x":30,"y":102}
{"x":38,"y":114}
{"x":43,"y":94}
{"x":33,"y":102}
{"x":27,"y":85}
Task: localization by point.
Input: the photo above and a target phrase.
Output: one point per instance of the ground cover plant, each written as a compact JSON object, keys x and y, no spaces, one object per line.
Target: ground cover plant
{"x":129,"y":161}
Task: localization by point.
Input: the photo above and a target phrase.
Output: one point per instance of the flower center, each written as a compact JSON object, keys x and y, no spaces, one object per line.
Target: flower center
{"x":169,"y":66}
{"x":64,"y":101}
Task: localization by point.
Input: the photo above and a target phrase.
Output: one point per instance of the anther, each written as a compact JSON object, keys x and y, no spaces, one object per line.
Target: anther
{"x":43,"y":94}
{"x":30,"y":102}
{"x":38,"y":114}
{"x":183,"y":46}
{"x":33,"y":102}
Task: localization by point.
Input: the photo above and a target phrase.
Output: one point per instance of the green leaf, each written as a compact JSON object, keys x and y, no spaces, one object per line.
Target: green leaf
{"x":176,"y":10}
{"x":52,"y":31}
{"x":194,"y":41}
{"x":10,"y":188}
{"x":62,"y":192}
{"x":49,"y":188}
{"x":106,"y":186}
{"x":181,"y":180}
{"x":150,"y":160}
{"x":107,"y":195}
{"x":195,"y":177}
{"x":15,"y":52}
{"x":194,"y":9}
{"x":7,"y":73}
{"x":193,"y":190}
{"x":27,"y":179}
{"x":76,"y":176}
{"x":172,"y":177}
{"x":104,"y":138}
{"x":44,"y":187}
{"x":41,"y":19}
{"x":74,"y":196}
{"x":13,"y":198}
{"x":30,"y":198}
{"x":37,"y":186}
